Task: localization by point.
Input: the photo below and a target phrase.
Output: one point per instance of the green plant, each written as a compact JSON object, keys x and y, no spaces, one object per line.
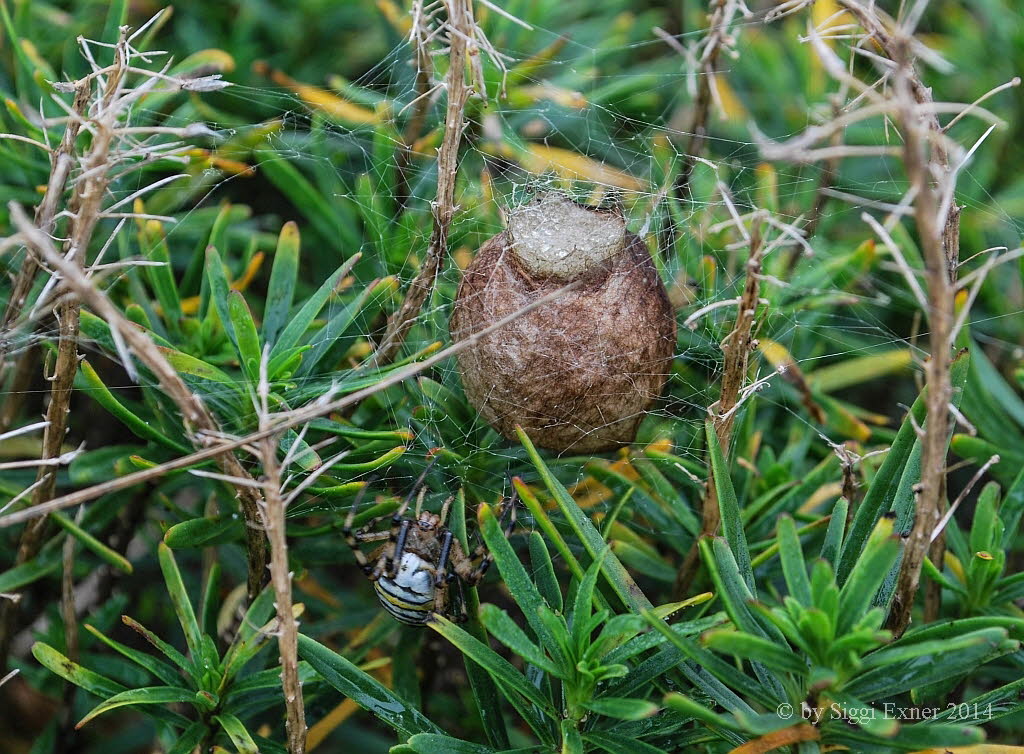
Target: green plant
{"x":977,"y":559}
{"x":221,"y":688}
{"x":235,"y":391}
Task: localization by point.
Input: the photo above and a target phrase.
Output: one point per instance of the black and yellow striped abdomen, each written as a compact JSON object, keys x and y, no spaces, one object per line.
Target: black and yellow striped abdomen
{"x":409,"y":596}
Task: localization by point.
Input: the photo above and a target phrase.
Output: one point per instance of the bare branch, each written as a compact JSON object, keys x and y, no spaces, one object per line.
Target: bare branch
{"x":286,"y":421}
{"x":274,"y":514}
{"x":191,"y":406}
{"x":719,"y":38}
{"x":939,"y":267}
{"x":737,"y":346}
{"x":461,"y":28}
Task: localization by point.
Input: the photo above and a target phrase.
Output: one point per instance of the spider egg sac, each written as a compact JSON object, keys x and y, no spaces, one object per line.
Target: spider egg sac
{"x":578,"y":372}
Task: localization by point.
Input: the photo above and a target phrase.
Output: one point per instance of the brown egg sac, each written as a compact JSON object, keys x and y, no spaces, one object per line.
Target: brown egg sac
{"x":579,"y":372}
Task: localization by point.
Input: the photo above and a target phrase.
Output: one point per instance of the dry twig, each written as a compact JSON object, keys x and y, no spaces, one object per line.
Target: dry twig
{"x":737,"y":346}
{"x":460,"y":33}
{"x":193,"y":411}
{"x":103,"y":99}
{"x":292,"y":419}
{"x":62,"y":161}
{"x":926,"y":160}
{"x":86,"y":205}
{"x":280,"y":577}
{"x":940,"y":248}
{"x":927,"y":155}
{"x":719,"y":38}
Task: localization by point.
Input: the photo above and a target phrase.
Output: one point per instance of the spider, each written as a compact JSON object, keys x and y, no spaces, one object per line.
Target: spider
{"x":410,"y":572}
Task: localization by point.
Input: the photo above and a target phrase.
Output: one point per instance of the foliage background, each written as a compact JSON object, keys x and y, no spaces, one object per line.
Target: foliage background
{"x":596,"y":100}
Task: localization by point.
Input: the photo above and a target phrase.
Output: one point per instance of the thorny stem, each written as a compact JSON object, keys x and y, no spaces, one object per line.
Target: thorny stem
{"x":101,"y":110}
{"x":941,"y":251}
{"x":940,"y":320}
{"x":61,"y":163}
{"x":951,"y":252}
{"x":281,"y":579}
{"x":460,"y":21}
{"x":737,"y":346}
{"x":86,"y":205}
{"x":720,"y":18}
{"x":413,"y":129}
{"x":925,"y":153}
{"x":292,"y":419}
{"x":191,"y":406}
{"x":739,"y":342}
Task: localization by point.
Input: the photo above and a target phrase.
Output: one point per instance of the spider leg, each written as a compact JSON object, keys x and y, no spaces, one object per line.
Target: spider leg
{"x":395,"y":552}
{"x":372,"y":523}
{"x":467,"y":572}
{"x":351,"y":517}
{"x":382,"y":563}
{"x":400,"y":531}
{"x":371,"y":536}
{"x":475,"y":575}
{"x":441,"y":598}
{"x":462,"y":615}
{"x":353,"y":537}
{"x":415,"y":488}
{"x":444,"y":509}
{"x":363,"y":534}
{"x":419,"y":501}
{"x":400,"y":527}
{"x":353,"y":543}
{"x":508,"y":508}
{"x":478,"y":537}
{"x":400,"y":513}
{"x":441,"y":575}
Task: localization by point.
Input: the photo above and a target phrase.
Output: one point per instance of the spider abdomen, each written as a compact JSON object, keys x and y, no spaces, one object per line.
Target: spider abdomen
{"x":409,"y":596}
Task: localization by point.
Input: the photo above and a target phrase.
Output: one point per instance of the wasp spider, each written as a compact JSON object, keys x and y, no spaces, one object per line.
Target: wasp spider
{"x":414,"y":571}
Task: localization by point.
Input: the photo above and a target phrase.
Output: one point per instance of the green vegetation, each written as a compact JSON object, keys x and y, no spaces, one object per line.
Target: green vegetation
{"x":734,"y":580}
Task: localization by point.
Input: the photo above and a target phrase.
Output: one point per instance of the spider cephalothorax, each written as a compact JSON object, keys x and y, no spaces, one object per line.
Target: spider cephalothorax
{"x":413,"y":571}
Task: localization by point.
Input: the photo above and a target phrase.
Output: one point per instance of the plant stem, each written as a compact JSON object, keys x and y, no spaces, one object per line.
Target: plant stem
{"x":461,"y":30}
{"x":191,"y":406}
{"x":281,"y":579}
{"x":61,"y":163}
{"x":737,"y":346}
{"x":941,"y":250}
{"x":940,"y":320}
{"x":86,"y":205}
{"x":720,"y":17}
